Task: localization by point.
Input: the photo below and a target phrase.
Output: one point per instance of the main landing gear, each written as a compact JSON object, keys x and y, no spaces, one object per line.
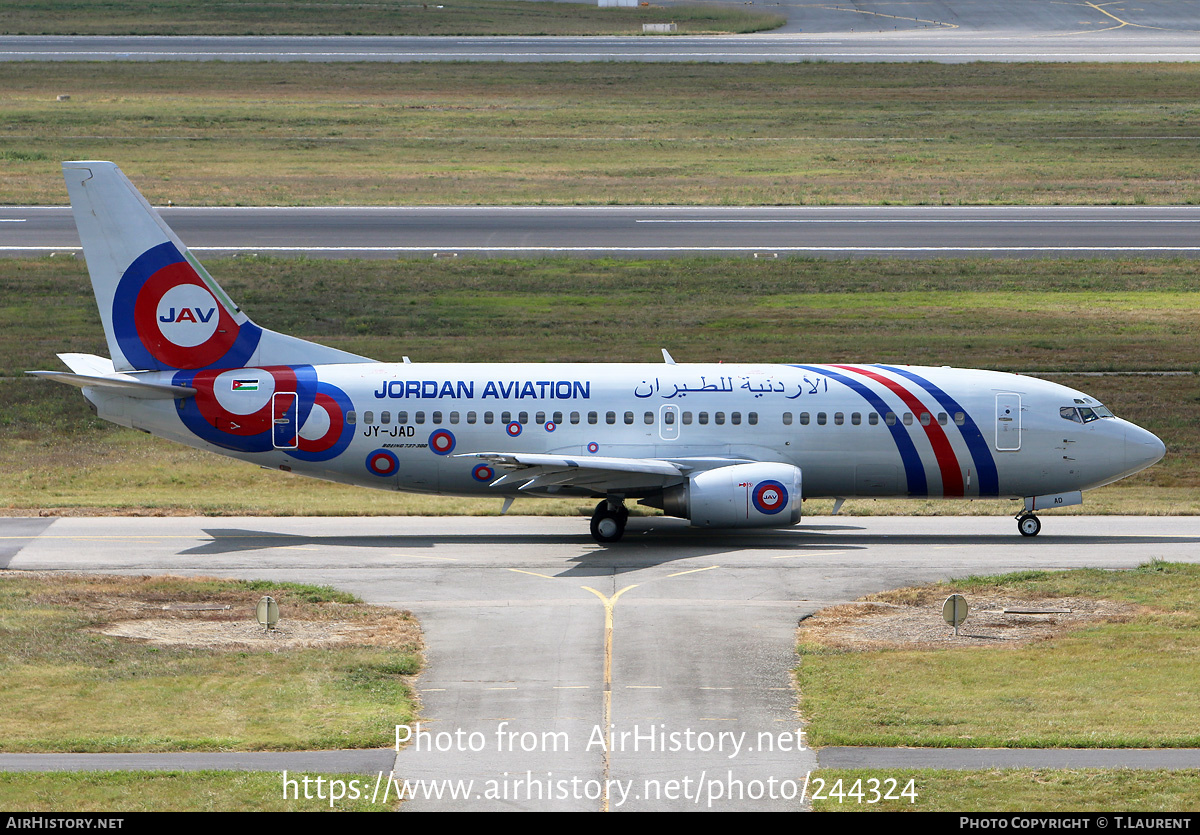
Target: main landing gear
{"x":1028,"y":524}
{"x":608,"y":522}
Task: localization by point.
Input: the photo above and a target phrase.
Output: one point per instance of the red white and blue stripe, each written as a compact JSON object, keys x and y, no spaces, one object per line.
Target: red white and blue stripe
{"x":874,"y":383}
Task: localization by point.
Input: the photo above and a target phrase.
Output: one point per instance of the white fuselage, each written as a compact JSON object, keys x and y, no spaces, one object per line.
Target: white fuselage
{"x":854,"y":430}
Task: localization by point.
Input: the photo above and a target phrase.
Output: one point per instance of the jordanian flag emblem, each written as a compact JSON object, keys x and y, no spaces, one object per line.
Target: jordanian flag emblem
{"x":245,"y":385}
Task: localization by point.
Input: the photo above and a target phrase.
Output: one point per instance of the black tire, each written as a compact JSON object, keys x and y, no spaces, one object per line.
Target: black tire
{"x":1029,"y":525}
{"x":608,"y":526}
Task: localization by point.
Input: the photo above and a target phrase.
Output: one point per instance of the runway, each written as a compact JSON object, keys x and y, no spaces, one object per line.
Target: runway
{"x":533,"y":628}
{"x":648,"y":232}
{"x":939,"y":44}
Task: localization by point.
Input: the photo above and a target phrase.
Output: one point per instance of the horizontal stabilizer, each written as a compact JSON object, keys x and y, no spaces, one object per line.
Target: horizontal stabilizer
{"x":91,"y":371}
{"x":123,"y":384}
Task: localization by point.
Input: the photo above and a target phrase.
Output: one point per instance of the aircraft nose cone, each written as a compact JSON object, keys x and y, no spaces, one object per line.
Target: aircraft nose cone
{"x":1142,"y":448}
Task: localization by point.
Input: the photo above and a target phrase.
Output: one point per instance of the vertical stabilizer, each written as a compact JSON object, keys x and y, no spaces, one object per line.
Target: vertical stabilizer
{"x":161,"y":309}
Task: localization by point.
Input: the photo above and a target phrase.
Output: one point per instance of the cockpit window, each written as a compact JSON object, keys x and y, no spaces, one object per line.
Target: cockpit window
{"x":1084,"y":414}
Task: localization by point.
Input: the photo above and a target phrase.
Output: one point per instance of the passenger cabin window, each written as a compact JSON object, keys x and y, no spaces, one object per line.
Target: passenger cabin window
{"x":687,"y":418}
{"x":719,"y":418}
{"x":787,"y":418}
{"x":736,"y":418}
{"x":351,"y":418}
{"x":821,"y":418}
{"x":752,"y":418}
{"x":629,"y":418}
{"x":368,"y":418}
{"x":838,"y":418}
{"x":804,"y":418}
{"x":401,"y":417}
{"x":648,"y":418}
{"x":856,"y":419}
{"x":385,"y":418}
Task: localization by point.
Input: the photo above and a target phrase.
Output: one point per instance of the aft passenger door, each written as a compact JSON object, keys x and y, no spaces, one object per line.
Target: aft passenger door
{"x":284,"y":434}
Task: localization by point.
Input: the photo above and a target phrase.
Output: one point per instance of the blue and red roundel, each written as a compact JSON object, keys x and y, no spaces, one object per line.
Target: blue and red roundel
{"x":237,"y":409}
{"x":383,"y":463}
{"x":593,"y":447}
{"x":483,"y":472}
{"x":441,"y":442}
{"x":513,"y":429}
{"x":165,"y":317}
{"x":769,"y":497}
{"x":325,"y":433}
{"x":551,"y":426}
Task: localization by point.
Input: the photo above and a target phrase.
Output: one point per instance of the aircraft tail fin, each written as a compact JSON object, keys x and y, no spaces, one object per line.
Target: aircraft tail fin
{"x":161,"y":309}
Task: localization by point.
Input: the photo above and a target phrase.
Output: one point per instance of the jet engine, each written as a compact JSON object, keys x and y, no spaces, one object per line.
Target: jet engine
{"x":763,"y":495}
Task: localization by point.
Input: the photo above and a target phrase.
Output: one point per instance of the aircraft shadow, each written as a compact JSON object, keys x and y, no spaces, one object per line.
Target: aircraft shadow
{"x":653,"y":541}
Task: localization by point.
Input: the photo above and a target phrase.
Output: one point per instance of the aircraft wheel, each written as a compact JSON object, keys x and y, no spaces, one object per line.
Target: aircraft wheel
{"x":1029,"y":525}
{"x":608,"y":525}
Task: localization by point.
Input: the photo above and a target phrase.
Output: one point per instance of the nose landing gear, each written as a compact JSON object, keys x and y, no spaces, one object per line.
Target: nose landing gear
{"x":1028,"y":524}
{"x":608,"y":521}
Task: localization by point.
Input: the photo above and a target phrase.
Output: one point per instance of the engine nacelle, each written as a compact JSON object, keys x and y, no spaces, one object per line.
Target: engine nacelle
{"x":763,"y":495}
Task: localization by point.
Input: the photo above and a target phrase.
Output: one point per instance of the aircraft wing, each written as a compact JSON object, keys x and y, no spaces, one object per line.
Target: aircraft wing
{"x":596,"y":473}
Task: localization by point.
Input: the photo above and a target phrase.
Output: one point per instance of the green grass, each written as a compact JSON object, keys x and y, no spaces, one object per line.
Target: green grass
{"x":1118,"y":685}
{"x":380,"y":17}
{"x":1017,"y":790}
{"x":300,"y":133}
{"x":67,"y":687}
{"x":1073,"y":316}
{"x":176,"y":791}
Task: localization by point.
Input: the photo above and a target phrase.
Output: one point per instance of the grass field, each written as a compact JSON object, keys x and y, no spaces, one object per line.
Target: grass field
{"x":298,"y":133}
{"x":68,"y":686}
{"x":1052,"y":317}
{"x":380,"y":17}
{"x":173,"y":791}
{"x":1132,"y":684}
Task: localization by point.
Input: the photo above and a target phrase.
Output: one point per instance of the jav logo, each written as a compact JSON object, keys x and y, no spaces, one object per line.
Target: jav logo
{"x":188,"y":314}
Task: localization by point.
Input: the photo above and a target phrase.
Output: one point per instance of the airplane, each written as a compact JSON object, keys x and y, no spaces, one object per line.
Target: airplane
{"x":721,"y":445}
